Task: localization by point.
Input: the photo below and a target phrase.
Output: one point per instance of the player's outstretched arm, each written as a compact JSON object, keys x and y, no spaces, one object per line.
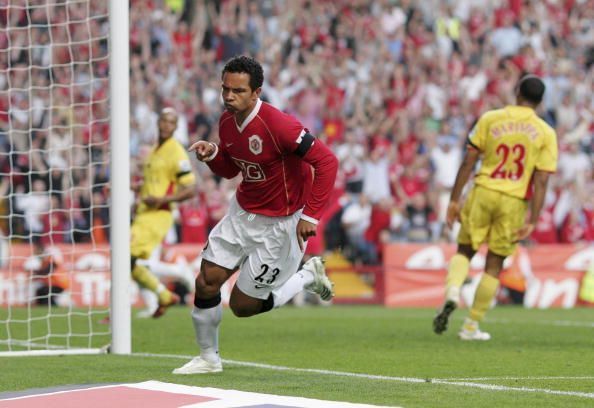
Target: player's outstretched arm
{"x":464,"y":172}
{"x":540,"y":180}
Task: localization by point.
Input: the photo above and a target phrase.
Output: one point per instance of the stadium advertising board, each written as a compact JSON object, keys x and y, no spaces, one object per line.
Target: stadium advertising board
{"x":415,"y":274}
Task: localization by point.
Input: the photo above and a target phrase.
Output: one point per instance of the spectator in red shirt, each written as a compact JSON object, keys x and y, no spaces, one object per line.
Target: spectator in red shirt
{"x":381,"y":216}
{"x":545,"y":230}
{"x":573,"y":228}
{"x":333,"y":126}
{"x":410,"y":184}
{"x":194,"y":221}
{"x":182,"y":39}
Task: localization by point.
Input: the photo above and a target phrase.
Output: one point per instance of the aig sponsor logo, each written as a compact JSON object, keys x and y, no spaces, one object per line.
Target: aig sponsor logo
{"x":252,"y":172}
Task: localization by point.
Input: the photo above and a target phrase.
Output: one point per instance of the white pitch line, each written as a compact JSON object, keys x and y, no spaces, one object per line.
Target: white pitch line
{"x":515,"y":378}
{"x":493,"y":387}
{"x":462,"y":383}
{"x":557,"y":323}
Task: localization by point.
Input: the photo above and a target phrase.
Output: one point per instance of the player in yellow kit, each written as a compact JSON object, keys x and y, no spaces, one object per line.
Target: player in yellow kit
{"x":167,"y":178}
{"x":518,"y":151}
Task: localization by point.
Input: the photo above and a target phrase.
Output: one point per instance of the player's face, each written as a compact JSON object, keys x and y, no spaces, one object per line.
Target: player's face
{"x":167,"y":124}
{"x":238,"y":96}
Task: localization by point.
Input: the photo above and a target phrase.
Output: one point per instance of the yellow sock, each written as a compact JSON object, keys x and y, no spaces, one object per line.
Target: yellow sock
{"x":457,"y":271}
{"x":485,"y":292}
{"x":164,"y":296}
{"x":146,"y":279}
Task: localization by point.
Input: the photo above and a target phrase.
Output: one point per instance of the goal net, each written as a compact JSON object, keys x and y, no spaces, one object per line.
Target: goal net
{"x":54,"y":176}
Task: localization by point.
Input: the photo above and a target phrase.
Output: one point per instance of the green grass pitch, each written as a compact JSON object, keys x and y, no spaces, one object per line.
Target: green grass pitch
{"x":366,"y":354}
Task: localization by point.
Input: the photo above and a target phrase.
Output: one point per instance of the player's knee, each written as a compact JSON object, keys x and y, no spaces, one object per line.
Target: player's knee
{"x":210,"y":279}
{"x":466,"y":250}
{"x":240,"y":310}
{"x":206,"y":289}
{"x":494,"y":264}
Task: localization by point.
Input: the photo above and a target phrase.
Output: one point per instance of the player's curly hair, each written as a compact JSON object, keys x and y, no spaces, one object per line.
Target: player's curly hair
{"x":248,"y":65}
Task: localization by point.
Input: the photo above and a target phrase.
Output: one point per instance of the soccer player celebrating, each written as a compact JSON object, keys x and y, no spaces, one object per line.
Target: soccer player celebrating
{"x":167,"y":178}
{"x":518,"y":152}
{"x":287,"y":175}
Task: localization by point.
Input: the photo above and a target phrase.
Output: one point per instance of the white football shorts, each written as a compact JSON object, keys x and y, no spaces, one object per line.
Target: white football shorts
{"x":265,"y":249}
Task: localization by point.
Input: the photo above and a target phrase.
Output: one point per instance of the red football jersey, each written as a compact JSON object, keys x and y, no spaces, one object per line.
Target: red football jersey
{"x":276,"y":181}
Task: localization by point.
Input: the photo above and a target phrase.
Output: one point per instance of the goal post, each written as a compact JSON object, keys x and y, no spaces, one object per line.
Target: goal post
{"x":119,"y":59}
{"x":64,"y":177}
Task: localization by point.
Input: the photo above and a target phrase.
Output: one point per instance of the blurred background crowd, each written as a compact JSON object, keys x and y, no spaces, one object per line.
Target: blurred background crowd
{"x":393,"y":86}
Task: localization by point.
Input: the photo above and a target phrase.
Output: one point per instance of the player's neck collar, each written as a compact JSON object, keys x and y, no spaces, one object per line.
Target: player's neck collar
{"x":161,"y":143}
{"x":250,"y":117}
{"x":525,"y":107}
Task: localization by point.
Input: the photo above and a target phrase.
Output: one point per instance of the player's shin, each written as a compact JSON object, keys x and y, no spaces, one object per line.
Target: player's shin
{"x":143,"y":276}
{"x":294,"y":285}
{"x":457,"y":273}
{"x":206,"y":317}
{"x":484,"y":295}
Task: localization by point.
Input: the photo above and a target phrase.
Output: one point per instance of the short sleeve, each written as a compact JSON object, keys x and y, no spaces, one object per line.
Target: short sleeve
{"x":478,"y":134}
{"x":547,"y":158}
{"x":182,"y":168}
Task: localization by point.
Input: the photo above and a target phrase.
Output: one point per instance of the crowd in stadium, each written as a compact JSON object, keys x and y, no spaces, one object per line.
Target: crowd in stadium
{"x":392,"y":86}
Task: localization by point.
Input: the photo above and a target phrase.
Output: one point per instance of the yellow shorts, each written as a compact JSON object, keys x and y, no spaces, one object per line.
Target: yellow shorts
{"x":148,"y":230}
{"x":492,"y":217}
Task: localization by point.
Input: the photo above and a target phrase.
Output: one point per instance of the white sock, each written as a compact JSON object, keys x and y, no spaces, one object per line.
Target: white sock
{"x":294,"y":285}
{"x":206,"y":326}
{"x":165,"y":269}
{"x":150,"y":299}
{"x":180,"y":270}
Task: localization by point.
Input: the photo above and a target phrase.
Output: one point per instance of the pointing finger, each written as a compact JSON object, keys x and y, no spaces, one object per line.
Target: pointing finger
{"x":194,"y":147}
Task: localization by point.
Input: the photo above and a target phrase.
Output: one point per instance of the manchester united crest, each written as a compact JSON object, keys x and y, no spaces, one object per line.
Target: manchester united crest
{"x":255,"y":144}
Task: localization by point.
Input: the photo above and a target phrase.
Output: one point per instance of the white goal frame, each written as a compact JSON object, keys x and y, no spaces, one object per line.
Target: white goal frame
{"x":119,"y":84}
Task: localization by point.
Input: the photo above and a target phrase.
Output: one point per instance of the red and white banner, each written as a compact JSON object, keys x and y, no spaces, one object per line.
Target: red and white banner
{"x":415,"y":274}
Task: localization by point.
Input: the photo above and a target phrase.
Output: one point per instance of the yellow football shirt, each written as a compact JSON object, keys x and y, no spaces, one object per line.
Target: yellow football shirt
{"x":513,"y":142}
{"x":166,"y":167}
